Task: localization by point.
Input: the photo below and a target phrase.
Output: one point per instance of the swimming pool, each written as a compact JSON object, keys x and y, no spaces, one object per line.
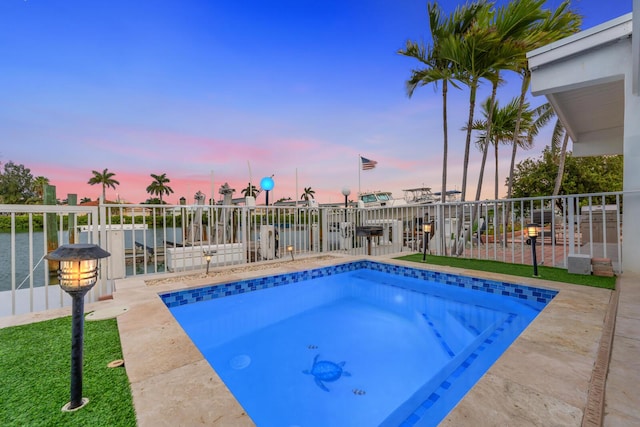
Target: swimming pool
{"x":362,"y":343}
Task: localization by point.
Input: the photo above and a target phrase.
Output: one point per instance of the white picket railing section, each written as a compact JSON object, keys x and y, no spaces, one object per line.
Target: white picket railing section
{"x":150,"y":239}
{"x":28,"y":233}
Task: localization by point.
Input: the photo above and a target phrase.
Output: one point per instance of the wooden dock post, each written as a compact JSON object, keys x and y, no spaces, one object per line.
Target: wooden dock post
{"x":51,"y":221}
{"x":72,"y":200}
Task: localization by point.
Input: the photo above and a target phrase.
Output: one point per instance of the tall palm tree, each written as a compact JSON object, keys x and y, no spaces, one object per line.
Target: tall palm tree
{"x":512,"y":23}
{"x":250,"y":191}
{"x":559,"y":129}
{"x":503,"y":132}
{"x":159,"y":187}
{"x":307,"y":194}
{"x":105,"y":179}
{"x":437,"y":68}
{"x":544,"y":114}
{"x":471,"y":63}
{"x":557,"y":25}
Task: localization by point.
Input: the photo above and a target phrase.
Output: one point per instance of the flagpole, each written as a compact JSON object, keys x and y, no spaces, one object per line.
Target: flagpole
{"x":359,"y":170}
{"x":213,"y":194}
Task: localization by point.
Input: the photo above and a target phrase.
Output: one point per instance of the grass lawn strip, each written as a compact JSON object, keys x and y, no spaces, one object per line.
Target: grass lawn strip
{"x":35,"y":363}
{"x":520,"y":270}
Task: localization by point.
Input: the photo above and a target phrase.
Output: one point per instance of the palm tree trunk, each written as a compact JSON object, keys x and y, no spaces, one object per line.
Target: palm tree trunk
{"x":445,"y":151}
{"x":485,"y":150}
{"x":445,"y":147}
{"x":563,"y":156}
{"x":495,"y":147}
{"x":472,"y":105}
{"x":467,"y":145}
{"x":494,"y":90}
{"x":523,"y":94}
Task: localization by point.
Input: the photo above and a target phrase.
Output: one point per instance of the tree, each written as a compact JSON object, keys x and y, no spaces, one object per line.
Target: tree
{"x":16,"y":184}
{"x":38,"y":187}
{"x":512,"y":23}
{"x":250,"y":191}
{"x":159,"y":187}
{"x":559,"y":24}
{"x":559,"y":129}
{"x":105,"y":179}
{"x":307,"y":194}
{"x":469,"y":55}
{"x":85,"y":200}
{"x":503,"y":132}
{"x":545,"y":113}
{"x":583,"y":175}
{"x":437,"y":67}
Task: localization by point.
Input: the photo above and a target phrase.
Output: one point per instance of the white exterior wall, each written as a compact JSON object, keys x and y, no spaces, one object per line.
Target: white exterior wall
{"x":631,"y":183}
{"x":591,"y":80}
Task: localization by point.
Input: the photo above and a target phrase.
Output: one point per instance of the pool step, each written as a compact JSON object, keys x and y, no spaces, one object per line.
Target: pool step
{"x":451,"y":335}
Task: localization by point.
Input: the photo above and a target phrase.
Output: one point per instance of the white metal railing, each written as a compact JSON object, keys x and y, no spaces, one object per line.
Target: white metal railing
{"x":27,"y":234}
{"x":149,"y":239}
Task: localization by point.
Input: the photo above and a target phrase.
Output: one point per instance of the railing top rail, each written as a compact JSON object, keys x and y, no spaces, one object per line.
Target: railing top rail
{"x":519,"y":199}
{"x":47,"y":209}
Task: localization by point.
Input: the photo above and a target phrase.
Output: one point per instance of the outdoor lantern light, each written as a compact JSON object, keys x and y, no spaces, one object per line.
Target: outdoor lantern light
{"x":207,"y":257}
{"x":78,"y":273}
{"x":267,"y":184}
{"x":532,"y":233}
{"x":290,"y":250}
{"x":426,"y":227}
{"x":183,"y":201}
{"x":345,"y":192}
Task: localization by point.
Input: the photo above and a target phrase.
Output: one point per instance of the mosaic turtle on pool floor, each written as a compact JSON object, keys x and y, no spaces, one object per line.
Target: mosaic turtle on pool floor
{"x":325,"y":370}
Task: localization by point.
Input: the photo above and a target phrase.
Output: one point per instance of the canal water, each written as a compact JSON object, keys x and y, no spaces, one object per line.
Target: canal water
{"x":29,"y":259}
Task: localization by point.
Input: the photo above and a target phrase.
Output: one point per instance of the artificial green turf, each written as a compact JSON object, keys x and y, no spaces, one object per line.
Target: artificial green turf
{"x":35,"y":366}
{"x":521,"y":270}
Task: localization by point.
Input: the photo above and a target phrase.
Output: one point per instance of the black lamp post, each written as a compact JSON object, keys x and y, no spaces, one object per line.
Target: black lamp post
{"x":427,"y":232}
{"x":290,"y":250}
{"x":267,"y":185}
{"x":345,"y":192}
{"x":78,"y":273}
{"x":532,"y":233}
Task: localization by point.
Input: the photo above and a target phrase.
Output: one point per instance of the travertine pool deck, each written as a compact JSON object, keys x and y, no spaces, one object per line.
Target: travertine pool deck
{"x":543,"y":379}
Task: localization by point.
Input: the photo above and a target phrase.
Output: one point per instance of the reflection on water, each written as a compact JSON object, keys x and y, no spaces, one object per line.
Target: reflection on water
{"x":29,"y":255}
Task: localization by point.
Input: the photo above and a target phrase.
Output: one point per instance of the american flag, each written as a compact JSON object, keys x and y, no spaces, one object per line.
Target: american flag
{"x":367,"y":163}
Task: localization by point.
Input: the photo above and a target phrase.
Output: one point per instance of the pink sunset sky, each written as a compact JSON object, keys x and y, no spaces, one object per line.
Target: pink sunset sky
{"x":240,"y":89}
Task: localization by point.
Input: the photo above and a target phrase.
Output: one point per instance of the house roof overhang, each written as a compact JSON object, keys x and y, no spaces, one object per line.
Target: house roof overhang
{"x":583,"y":77}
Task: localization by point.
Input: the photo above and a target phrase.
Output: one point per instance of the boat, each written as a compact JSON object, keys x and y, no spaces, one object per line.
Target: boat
{"x":450,"y":195}
{"x":371,"y":199}
{"x":412,"y":196}
{"x":419,"y":196}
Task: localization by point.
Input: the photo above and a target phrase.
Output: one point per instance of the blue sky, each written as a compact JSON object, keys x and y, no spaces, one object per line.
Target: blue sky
{"x":235,"y":87}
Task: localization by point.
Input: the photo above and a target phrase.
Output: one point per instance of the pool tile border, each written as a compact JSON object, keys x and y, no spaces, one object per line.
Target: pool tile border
{"x":522,"y":292}
{"x":539,"y":296}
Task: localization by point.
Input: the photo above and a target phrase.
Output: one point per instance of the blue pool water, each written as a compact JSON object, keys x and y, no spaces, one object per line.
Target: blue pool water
{"x":359,"y":344}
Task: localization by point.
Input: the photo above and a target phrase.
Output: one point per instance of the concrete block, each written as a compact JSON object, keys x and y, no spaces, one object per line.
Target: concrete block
{"x":579,"y":264}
